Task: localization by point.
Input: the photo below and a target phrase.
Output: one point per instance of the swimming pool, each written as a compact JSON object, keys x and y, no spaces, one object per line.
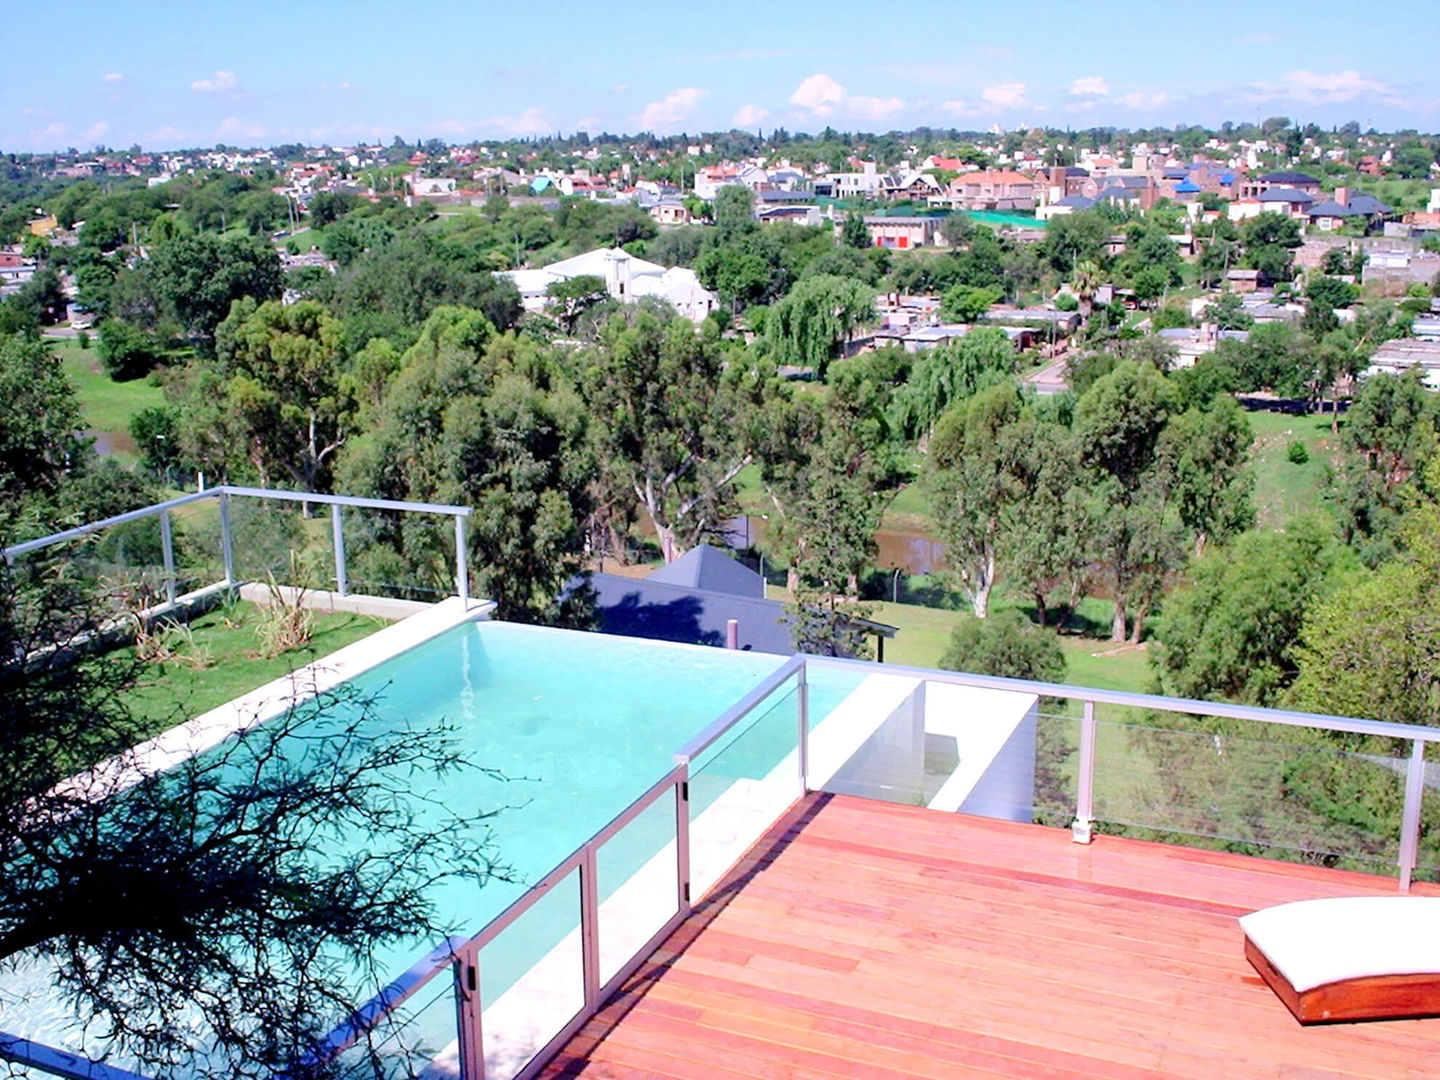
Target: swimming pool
{"x":580,"y":724}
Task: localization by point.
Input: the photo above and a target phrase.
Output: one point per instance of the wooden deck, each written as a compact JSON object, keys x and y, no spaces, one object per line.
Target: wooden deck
{"x":866,"y":940}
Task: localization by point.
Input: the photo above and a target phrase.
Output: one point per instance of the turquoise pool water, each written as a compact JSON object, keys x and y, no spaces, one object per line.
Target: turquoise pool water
{"x":581,"y":725}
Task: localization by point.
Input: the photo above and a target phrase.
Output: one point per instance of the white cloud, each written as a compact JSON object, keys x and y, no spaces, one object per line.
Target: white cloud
{"x":234,"y":127}
{"x":1317,"y":88}
{"x":532,"y":121}
{"x":672,"y":110}
{"x":823,"y":97}
{"x":1321,"y":88}
{"x":33,"y":110}
{"x":1089,"y":86}
{"x":112,"y":77}
{"x":873,"y":108}
{"x":620,"y":88}
{"x":223,"y":82}
{"x":52,"y":132}
{"x":587,"y":123}
{"x":96,"y":130}
{"x":958,"y":107}
{"x":1005,"y":96}
{"x":749,"y":116}
{"x":1137,"y":99}
{"x":169,"y":135}
{"x":818,"y":93}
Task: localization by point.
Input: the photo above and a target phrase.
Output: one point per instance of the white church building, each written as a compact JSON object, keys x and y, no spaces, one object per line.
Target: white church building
{"x":626,"y":278}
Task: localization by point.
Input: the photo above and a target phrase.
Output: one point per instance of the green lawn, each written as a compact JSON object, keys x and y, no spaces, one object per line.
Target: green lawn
{"x":171,"y":692}
{"x":1284,"y":490}
{"x":925,"y":634}
{"x":107,"y":405}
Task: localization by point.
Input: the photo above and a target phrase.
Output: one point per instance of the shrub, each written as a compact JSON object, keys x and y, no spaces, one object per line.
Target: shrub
{"x":127,"y":353}
{"x":1296,"y":453}
{"x":1005,"y":644}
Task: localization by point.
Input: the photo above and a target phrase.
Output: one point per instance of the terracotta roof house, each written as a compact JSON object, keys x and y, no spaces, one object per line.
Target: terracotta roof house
{"x":993,"y":189}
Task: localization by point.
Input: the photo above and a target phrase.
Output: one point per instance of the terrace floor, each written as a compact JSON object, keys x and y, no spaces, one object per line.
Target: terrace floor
{"x":862,"y":939}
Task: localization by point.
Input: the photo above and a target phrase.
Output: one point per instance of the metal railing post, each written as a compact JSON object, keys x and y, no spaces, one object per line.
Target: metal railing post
{"x":337,"y":530}
{"x":227,"y":544}
{"x":167,"y":552}
{"x":802,"y":723}
{"x":590,"y":930}
{"x":468,"y":1008}
{"x":1410,"y":817}
{"x":462,"y":561}
{"x":682,"y":843}
{"x":1082,"y":829}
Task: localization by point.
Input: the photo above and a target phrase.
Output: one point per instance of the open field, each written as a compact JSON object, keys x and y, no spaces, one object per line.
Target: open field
{"x":1284,"y":490}
{"x":107,"y":405}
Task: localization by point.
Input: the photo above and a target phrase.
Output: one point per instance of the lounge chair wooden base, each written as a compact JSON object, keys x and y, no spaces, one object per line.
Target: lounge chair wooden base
{"x":1369,"y":997}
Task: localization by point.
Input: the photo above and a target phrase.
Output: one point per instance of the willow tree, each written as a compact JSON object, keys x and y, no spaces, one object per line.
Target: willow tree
{"x":813,"y":323}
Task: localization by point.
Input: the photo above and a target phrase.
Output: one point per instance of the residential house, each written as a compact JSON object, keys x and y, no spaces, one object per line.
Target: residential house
{"x":696,"y":599}
{"x":1070,"y":204}
{"x":429,"y":187}
{"x":1404,"y":354}
{"x":993,"y":189}
{"x":626,"y":279}
{"x":903,"y":232}
{"x":1346,"y":207}
{"x":809,"y":216}
{"x":1298,"y":181}
{"x":868,"y":183}
{"x":1242,"y":281}
{"x":670,"y":211}
{"x":1193,"y":342}
{"x":913,"y":185}
{"x":15,"y":271}
{"x":1292,"y":202}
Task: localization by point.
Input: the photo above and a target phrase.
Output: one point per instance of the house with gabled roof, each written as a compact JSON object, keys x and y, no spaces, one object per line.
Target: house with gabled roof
{"x":1344,"y":208}
{"x":1284,"y":178}
{"x":993,"y":189}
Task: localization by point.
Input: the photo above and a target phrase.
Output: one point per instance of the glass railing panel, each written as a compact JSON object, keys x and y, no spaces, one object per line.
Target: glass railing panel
{"x":1427,"y":854}
{"x":532,"y":980}
{"x":637,"y":871}
{"x":741,"y":784}
{"x":417,"y":1037}
{"x":874,"y":745}
{"x":1057,"y":763}
{"x":394,"y":554}
{"x":1255,"y":789}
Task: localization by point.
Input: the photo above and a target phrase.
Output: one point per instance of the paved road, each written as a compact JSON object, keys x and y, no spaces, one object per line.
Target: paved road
{"x":1051,"y":378}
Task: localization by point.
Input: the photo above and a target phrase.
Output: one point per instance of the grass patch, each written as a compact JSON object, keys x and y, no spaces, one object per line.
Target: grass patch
{"x":925,"y":635}
{"x":1284,"y":490}
{"x":106,"y":405}
{"x":171,"y":692}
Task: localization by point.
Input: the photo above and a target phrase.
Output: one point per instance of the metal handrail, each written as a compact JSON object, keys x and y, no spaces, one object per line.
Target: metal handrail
{"x":1382,"y":728}
{"x":28,"y":546}
{"x":222,"y":493}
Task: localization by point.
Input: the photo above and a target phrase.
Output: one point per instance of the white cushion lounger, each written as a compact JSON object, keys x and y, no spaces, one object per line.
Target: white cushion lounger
{"x":1350,"y":958}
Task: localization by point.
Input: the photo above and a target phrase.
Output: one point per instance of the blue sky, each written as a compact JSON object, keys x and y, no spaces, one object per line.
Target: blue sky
{"x":165,"y":74}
